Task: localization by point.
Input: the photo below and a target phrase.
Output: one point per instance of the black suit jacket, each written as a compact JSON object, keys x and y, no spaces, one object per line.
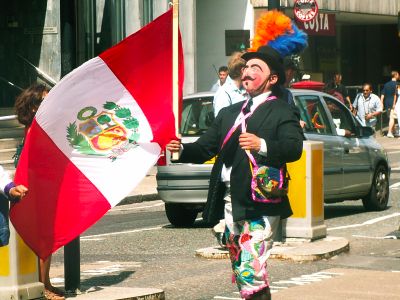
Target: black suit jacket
{"x":274,"y":121}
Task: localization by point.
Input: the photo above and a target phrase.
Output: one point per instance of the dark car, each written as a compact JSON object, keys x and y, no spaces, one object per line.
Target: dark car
{"x":355,"y":164}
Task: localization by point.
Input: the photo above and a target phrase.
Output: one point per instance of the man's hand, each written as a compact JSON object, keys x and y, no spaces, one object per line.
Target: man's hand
{"x":369,"y":116}
{"x":249,"y":141}
{"x":18,"y":192}
{"x":174,"y":146}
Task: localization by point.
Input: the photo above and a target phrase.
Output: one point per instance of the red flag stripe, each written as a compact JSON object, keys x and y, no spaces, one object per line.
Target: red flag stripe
{"x":55,"y":222}
{"x":132,"y":62}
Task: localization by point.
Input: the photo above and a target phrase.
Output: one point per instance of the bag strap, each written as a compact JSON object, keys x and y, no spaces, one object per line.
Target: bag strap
{"x":241,"y":120}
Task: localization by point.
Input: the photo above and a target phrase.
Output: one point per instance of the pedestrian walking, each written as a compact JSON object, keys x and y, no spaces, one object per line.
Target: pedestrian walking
{"x":367,"y":106}
{"x":251,"y":139}
{"x":396,"y":105}
{"x":388,"y":95}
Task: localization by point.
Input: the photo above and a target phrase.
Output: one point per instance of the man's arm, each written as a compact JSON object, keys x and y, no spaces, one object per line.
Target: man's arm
{"x":382,"y":100}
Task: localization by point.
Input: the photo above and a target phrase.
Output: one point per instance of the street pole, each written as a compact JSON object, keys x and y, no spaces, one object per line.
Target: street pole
{"x":72,"y":269}
{"x":273,"y":4}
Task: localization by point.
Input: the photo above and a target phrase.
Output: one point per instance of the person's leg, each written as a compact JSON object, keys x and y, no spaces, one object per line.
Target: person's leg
{"x":265,"y":294}
{"x":219,"y":229}
{"x":250,"y":243}
{"x":51,"y":292}
{"x":44,"y":272}
{"x":391,"y":124}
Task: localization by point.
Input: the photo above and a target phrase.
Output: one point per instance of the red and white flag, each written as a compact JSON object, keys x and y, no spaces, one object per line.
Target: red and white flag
{"x":95,"y":136}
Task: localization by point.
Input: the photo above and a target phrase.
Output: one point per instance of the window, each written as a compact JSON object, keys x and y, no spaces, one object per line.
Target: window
{"x":197,"y":116}
{"x":340,"y":116}
{"x":313,"y":114}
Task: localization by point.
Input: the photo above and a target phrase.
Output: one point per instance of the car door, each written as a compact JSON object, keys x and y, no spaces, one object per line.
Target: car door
{"x":356,"y":161}
{"x":318,"y":127}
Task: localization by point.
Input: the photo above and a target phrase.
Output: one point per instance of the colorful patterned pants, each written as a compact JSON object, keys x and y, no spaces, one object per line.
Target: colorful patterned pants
{"x":249,"y":243}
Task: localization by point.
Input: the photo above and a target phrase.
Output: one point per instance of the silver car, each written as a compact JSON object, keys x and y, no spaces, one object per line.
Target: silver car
{"x":355,"y":164}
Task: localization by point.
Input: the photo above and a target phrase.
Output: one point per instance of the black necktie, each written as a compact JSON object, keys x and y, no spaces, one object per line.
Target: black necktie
{"x":246,"y":109}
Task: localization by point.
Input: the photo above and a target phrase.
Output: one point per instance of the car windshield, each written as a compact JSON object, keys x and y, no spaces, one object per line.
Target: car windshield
{"x":197,"y":116}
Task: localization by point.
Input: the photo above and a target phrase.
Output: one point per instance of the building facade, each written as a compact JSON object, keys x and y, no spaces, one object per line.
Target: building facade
{"x":44,"y":40}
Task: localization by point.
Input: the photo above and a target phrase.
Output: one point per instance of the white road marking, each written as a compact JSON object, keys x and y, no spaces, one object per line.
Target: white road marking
{"x":57,"y":280}
{"x":369,"y":237}
{"x":123,"y":232}
{"x":393,"y":152}
{"x":369,"y":222}
{"x":395,"y":185}
{"x":302,"y":280}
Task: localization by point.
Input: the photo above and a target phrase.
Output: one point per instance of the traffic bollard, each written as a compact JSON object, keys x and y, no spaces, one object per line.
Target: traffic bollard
{"x":19,"y":270}
{"x":306,"y":194}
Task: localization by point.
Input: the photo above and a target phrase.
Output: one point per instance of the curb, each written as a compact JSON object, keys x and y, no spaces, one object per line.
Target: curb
{"x":139,"y":198}
{"x":311,"y":251}
{"x":119,"y":293}
{"x":295,"y":251}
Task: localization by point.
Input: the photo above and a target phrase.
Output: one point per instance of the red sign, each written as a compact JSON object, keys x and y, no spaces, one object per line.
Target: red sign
{"x":323,"y":24}
{"x":305,"y":10}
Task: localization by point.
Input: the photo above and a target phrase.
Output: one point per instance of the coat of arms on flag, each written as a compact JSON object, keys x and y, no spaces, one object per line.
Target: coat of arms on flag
{"x":112,"y":132}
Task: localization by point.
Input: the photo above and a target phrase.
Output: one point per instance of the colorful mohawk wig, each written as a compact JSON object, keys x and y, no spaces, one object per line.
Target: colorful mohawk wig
{"x":276,"y":30}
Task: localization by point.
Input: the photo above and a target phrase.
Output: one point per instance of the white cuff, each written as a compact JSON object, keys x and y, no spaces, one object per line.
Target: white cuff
{"x":263,"y":148}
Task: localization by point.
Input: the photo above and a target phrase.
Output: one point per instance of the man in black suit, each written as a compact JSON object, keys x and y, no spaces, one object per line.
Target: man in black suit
{"x":268,"y":128}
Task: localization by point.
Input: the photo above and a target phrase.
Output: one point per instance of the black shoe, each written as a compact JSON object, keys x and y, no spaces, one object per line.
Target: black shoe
{"x":220,"y":239}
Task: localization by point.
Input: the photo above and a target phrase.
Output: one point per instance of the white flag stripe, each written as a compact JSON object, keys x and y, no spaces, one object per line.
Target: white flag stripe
{"x":113,"y":178}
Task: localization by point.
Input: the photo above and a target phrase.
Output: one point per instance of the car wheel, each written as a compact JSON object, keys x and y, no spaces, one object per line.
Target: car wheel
{"x":179,"y":215}
{"x":378,"y":196}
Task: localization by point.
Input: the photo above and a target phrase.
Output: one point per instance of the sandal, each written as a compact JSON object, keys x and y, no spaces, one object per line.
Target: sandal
{"x":49,"y":295}
{"x":57,"y":291}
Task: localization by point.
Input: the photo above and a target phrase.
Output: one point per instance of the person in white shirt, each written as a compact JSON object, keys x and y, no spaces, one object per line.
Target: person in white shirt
{"x":222,"y":75}
{"x":232,"y":91}
{"x":396,"y":104}
{"x":367,"y":106}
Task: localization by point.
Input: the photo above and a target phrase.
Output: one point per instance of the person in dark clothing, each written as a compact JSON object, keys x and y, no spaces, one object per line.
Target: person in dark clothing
{"x":338,"y":90}
{"x":269,"y":130}
{"x":252,"y":141}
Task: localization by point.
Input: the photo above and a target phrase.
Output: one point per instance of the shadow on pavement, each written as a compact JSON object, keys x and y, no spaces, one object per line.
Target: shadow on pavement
{"x":106,"y":280}
{"x":340,"y":210}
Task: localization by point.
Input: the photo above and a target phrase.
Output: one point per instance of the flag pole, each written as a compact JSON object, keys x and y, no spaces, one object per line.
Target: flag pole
{"x":175,"y":67}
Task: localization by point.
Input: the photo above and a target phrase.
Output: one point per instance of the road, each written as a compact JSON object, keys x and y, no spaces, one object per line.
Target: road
{"x":134,"y":245}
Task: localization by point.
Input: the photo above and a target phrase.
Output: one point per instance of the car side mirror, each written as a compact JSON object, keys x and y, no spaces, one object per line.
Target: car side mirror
{"x":365,"y":131}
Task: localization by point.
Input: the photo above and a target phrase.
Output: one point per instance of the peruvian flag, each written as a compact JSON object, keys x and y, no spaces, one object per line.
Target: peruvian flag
{"x":95,"y":136}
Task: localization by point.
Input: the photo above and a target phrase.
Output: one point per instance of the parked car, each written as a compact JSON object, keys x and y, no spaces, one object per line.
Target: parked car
{"x":355,"y":164}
